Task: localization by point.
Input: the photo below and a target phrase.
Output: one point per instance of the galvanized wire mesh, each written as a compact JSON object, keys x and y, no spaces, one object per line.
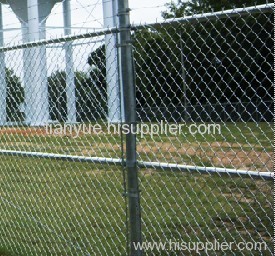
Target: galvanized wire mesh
{"x":217,"y":70}
{"x":195,"y":72}
{"x":204,"y":103}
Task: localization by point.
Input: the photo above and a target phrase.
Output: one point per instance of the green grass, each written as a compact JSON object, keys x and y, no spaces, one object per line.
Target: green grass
{"x":50,"y":207}
{"x":4,"y":252}
{"x":242,"y":145}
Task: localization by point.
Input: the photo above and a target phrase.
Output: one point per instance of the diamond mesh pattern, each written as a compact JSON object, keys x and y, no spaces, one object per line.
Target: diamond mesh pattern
{"x":62,"y":175}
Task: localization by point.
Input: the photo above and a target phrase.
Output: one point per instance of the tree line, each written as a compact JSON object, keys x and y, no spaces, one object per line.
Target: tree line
{"x":220,"y":61}
{"x":211,"y":62}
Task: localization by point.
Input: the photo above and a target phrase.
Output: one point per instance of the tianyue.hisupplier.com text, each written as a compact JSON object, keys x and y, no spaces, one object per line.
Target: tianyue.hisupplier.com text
{"x":142,"y":129}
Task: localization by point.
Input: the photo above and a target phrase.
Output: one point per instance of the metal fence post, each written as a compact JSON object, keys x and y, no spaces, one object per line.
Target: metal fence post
{"x":128,"y":85}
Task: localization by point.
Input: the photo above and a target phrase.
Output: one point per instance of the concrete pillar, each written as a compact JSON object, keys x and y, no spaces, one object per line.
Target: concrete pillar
{"x":36,"y":91}
{"x":3,"y":85}
{"x":70,"y":83}
{"x":112,"y":61}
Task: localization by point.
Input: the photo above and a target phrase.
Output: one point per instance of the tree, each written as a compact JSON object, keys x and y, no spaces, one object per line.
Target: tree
{"x":97,"y":81}
{"x":87,"y":98}
{"x":57,"y":96}
{"x":156,"y":68}
{"x":218,"y":61}
{"x":15,"y":96}
{"x":91,"y":94}
{"x":182,"y":8}
{"x":226,"y":60}
{"x":151,"y":52}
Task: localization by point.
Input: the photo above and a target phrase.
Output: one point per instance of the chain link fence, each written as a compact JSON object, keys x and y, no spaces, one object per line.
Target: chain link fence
{"x":191,"y":173}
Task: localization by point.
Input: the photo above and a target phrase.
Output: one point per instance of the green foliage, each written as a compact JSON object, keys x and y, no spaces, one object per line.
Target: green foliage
{"x":87,"y":97}
{"x":91,"y":96}
{"x":220,"y":66}
{"x":217,"y":61}
{"x":156,"y":67}
{"x":15,"y":96}
{"x":224,"y":61}
{"x":182,"y":8}
{"x":57,"y":96}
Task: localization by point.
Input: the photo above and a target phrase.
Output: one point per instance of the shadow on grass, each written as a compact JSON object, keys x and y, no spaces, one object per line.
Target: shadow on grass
{"x":4,"y":252}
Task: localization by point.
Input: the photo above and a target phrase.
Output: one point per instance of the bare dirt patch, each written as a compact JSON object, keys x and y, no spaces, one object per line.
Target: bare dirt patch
{"x":238,"y":197}
{"x":25,"y":131}
{"x":219,"y":154}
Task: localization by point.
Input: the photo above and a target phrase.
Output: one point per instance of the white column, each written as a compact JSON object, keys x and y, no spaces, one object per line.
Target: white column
{"x":70,"y":83}
{"x":26,"y":53}
{"x":3,"y":85}
{"x":112,"y":70}
{"x":36,"y":91}
{"x":43,"y":66}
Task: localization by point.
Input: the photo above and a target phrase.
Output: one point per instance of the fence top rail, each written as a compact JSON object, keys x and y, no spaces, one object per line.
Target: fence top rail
{"x":59,"y":40}
{"x":231,"y":13}
{"x":237,"y":12}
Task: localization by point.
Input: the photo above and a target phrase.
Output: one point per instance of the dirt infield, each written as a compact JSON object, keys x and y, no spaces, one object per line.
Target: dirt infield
{"x":220,"y":153}
{"x":25,"y":131}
